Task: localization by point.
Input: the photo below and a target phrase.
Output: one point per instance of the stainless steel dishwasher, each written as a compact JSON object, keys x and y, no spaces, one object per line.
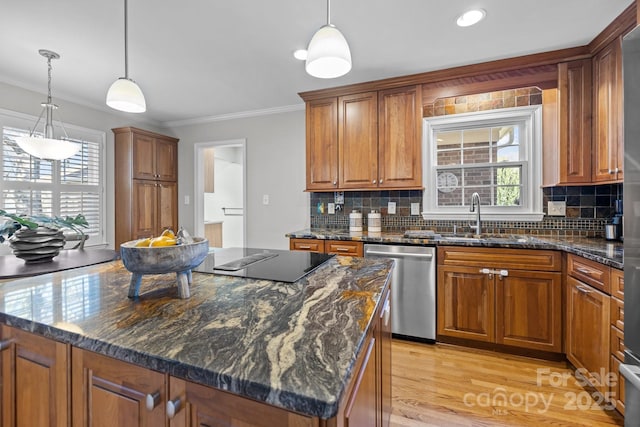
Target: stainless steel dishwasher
{"x":413,"y":289}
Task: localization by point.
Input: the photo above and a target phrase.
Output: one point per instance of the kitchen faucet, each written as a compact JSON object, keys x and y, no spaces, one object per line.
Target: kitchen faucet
{"x":475,"y":207}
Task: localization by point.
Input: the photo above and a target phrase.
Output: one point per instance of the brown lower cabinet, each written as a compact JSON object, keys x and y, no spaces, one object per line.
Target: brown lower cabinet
{"x":335,"y":247}
{"x":35,"y":372}
{"x":503,"y":296}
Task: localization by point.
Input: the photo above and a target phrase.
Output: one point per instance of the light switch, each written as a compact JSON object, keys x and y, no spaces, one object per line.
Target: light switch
{"x":265,"y":199}
{"x":391,"y":208}
{"x":186,"y":200}
{"x":415,"y":208}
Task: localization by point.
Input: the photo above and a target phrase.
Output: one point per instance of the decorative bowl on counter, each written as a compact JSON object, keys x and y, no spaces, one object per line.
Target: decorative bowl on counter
{"x":179,"y":259}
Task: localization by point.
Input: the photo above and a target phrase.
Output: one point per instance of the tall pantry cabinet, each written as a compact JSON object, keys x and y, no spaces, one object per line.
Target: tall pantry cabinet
{"x":146,"y":184}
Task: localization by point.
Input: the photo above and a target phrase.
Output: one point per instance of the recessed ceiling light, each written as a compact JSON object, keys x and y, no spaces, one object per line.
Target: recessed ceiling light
{"x":300,"y":54}
{"x":471,"y":17}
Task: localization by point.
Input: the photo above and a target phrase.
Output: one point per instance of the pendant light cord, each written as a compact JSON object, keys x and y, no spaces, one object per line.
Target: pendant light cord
{"x":49,"y":80}
{"x":328,"y":12}
{"x":126,"y":44}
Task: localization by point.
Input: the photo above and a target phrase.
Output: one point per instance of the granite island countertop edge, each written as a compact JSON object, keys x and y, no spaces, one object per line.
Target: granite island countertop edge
{"x":284,"y":397}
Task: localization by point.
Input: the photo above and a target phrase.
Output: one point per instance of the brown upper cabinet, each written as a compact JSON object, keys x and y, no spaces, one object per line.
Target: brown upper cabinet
{"x":367,"y":140}
{"x":607,"y":113}
{"x":567,"y":126}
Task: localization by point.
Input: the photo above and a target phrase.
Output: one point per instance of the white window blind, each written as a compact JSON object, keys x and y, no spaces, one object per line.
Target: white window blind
{"x":60,"y":188}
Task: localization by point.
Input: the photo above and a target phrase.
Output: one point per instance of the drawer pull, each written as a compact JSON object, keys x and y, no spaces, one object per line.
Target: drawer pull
{"x":387,"y":312}
{"x":5,"y":344}
{"x":583,"y":289}
{"x":583,"y":271}
{"x":342,"y":249}
{"x":173,"y":407}
{"x":304,"y":247}
{"x":152,"y":400}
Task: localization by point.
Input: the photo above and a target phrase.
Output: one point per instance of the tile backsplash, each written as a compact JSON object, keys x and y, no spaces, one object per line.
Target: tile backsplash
{"x":589,"y":208}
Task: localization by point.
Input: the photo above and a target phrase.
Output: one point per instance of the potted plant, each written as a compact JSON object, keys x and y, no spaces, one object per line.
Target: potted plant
{"x":39,"y":238}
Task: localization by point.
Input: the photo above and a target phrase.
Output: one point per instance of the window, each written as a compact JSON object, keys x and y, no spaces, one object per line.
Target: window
{"x":63,"y":188}
{"x":496,"y":154}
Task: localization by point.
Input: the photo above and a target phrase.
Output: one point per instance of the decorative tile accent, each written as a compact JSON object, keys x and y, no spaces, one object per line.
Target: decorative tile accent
{"x":484,"y":101}
{"x":589,"y":208}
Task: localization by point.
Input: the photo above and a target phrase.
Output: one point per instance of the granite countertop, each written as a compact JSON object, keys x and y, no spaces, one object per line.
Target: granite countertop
{"x":292,"y":345}
{"x":599,"y":250}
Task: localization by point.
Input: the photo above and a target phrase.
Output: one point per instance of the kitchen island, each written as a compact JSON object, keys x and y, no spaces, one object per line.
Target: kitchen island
{"x":239,"y":351}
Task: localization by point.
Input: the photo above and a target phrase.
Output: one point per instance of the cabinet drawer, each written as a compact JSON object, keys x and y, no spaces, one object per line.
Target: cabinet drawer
{"x":309,"y":245}
{"x":517,"y":259}
{"x":344,"y":247}
{"x":590,"y":272}
{"x":617,"y":385}
{"x":617,"y":343}
{"x":617,"y":313}
{"x":617,"y":283}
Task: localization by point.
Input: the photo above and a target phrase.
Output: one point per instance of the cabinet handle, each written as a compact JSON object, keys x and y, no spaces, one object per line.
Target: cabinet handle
{"x":152,"y":401}
{"x":610,"y":171}
{"x":583,"y":290}
{"x":173,"y":407}
{"x":373,"y":182}
{"x":5,"y":344}
{"x":387,"y":312}
{"x":341,"y":249}
{"x":380,"y":180}
{"x":583,"y":271}
{"x":335,"y":182}
{"x":617,"y":170}
{"x":304,"y":247}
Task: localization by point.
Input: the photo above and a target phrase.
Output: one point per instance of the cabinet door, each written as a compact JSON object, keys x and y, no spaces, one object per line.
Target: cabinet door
{"x":144,"y":156}
{"x":361,"y":409}
{"x":528,"y":310}
{"x":466,"y":303}
{"x":200,"y":406}
{"x":34,"y":381}
{"x":167,"y":206}
{"x":358,"y":140}
{"x":166,"y":160}
{"x":145,"y":205}
{"x":110,"y":393}
{"x":607,"y":75}
{"x":574,"y":96}
{"x":587,"y":345}
{"x":322,"y":144}
{"x":400,"y":138}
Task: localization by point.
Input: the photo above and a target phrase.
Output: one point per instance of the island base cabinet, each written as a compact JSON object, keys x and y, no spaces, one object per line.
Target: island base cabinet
{"x":195,"y":405}
{"x":35,"y":376}
{"x":110,"y":393}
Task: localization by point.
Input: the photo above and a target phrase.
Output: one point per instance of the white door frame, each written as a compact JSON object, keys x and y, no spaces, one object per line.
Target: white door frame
{"x":198,"y":197}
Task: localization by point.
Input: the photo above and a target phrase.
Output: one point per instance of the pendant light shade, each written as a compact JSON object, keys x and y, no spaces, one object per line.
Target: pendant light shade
{"x":46,"y":146}
{"x":328,"y":54}
{"x":124,"y":94}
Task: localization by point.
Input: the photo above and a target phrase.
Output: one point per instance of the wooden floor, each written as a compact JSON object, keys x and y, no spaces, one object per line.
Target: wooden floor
{"x":445,"y":385}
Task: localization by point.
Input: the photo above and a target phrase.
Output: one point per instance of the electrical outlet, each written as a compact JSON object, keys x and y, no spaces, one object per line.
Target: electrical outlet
{"x":265,"y":199}
{"x":186,"y":200}
{"x":391,"y":208}
{"x":557,"y":208}
{"x":415,"y":208}
{"x":331,"y":208}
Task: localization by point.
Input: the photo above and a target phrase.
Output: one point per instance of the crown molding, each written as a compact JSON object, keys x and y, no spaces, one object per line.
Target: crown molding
{"x":232,"y":116}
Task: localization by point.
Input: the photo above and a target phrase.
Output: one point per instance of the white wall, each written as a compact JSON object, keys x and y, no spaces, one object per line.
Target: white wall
{"x":275,"y":166}
{"x":28,"y":102}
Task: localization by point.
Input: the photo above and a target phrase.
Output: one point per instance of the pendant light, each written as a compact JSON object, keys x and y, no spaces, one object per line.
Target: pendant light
{"x":46,"y":146}
{"x":124,"y":94}
{"x":328,"y":54}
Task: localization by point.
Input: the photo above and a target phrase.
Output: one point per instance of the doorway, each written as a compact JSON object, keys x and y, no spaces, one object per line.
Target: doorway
{"x":220,"y":192}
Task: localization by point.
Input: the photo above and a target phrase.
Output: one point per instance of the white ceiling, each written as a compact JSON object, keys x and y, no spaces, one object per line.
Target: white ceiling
{"x":197,"y":59}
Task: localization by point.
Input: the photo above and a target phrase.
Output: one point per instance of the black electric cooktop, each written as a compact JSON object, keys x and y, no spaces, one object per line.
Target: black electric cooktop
{"x":268,"y":264}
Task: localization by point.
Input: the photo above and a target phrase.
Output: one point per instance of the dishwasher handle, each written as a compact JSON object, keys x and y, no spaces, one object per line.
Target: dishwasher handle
{"x":397,"y":255}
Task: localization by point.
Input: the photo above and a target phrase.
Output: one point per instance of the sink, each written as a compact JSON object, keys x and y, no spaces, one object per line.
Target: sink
{"x":510,"y":238}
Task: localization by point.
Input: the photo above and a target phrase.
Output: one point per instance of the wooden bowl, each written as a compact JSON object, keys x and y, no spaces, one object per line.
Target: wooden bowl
{"x":179,"y":259}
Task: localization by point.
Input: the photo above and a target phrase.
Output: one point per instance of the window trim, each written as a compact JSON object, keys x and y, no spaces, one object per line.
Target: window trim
{"x":26,"y":121}
{"x":531,"y":209}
